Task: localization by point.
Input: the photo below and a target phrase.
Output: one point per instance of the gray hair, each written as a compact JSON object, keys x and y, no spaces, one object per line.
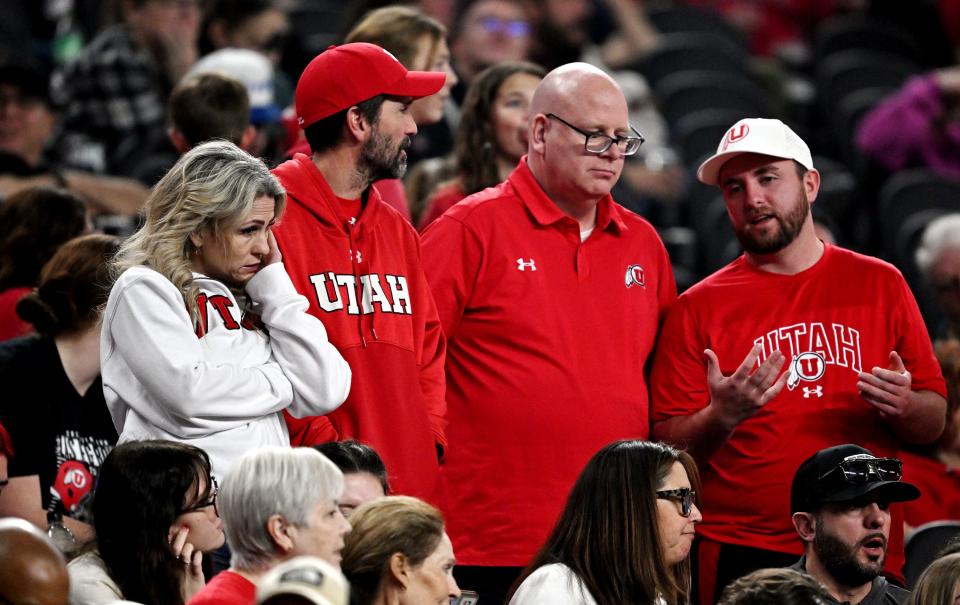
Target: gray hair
{"x":940,"y":234}
{"x":211,"y":186}
{"x":269,"y":481}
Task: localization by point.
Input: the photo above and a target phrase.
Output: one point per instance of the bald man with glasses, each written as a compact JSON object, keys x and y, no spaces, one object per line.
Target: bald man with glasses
{"x":550,"y":295}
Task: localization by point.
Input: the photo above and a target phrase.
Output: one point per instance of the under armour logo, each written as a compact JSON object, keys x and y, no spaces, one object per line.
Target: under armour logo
{"x":524,"y":265}
{"x":358,"y":255}
{"x":818,"y":391}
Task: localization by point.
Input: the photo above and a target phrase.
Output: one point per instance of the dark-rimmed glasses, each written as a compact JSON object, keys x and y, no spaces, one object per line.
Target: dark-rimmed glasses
{"x":210,"y":501}
{"x":684,"y":495}
{"x":597,"y":142}
{"x":859,"y":469}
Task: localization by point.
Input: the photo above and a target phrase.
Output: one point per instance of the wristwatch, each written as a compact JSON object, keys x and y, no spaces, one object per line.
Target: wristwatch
{"x":62,"y":537}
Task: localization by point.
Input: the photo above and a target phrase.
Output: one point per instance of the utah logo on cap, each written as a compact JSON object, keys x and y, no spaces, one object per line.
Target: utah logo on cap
{"x":735,"y":134}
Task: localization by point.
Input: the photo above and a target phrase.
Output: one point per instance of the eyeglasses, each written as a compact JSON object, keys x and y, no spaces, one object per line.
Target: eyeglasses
{"x":597,"y":142}
{"x":211,"y":501}
{"x":859,"y":469}
{"x":684,"y":495}
{"x":514,"y":28}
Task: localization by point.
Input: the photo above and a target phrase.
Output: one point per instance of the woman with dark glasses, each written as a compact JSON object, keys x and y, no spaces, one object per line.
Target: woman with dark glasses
{"x":155,"y":513}
{"x":625,"y":534}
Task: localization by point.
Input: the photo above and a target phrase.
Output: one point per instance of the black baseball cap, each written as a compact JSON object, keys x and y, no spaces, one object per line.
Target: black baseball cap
{"x":847,"y":472}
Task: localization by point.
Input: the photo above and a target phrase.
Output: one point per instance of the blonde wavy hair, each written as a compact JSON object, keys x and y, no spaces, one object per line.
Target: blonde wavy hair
{"x":211,"y":187}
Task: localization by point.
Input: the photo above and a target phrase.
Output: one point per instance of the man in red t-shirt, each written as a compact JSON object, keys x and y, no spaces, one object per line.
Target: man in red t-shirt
{"x":550,"y":295}
{"x":794,"y":347}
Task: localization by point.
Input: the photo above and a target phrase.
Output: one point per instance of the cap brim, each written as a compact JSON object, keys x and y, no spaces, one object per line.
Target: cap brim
{"x":418,"y":84}
{"x":309,"y":593}
{"x":888,"y":491}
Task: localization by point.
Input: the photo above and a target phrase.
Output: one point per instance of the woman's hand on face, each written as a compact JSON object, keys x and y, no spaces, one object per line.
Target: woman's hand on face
{"x":273,"y":256}
{"x":190,"y":558}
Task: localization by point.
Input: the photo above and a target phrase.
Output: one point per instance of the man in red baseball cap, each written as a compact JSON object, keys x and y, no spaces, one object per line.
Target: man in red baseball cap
{"x":357,"y":260}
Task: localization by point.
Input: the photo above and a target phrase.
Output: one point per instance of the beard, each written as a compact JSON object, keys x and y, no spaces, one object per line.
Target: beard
{"x":840,"y":559}
{"x":788,"y":228}
{"x":379,"y":159}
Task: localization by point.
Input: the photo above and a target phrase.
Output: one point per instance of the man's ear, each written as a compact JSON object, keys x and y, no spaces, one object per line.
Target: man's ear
{"x":279,"y":530}
{"x":811,"y":184}
{"x":538,"y":128}
{"x":249,"y":134}
{"x":806,"y":526}
{"x":400,"y":569}
{"x":180,"y":142}
{"x":357,"y":125}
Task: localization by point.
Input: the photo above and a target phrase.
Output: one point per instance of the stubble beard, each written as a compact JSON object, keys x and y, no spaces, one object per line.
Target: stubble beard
{"x":788,"y":228}
{"x":840,"y":560}
{"x":378,"y":161}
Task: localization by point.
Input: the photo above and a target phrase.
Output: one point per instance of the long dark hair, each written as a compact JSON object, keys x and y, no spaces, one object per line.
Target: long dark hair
{"x":608,"y":532}
{"x":475,"y":147}
{"x":141,"y":489}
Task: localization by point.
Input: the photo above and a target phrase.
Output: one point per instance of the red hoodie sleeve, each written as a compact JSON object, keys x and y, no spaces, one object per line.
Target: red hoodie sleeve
{"x":432,"y":356}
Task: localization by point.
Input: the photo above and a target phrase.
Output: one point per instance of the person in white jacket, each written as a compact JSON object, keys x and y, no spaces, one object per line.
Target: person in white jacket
{"x":205,"y":340}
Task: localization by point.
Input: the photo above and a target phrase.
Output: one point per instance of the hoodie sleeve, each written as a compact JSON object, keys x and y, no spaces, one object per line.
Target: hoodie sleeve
{"x":318,"y":373}
{"x":173,"y":384}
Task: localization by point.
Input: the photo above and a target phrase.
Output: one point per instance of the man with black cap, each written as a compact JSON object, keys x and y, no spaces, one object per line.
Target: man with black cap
{"x":358,"y":261}
{"x":840,"y":501}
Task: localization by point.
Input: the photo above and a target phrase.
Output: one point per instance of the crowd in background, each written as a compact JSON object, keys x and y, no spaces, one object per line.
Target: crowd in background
{"x":155,"y":381}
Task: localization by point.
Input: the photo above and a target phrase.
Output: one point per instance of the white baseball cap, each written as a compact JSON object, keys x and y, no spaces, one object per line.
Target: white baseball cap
{"x":309,"y":577}
{"x":254,"y":70}
{"x":755,"y":135}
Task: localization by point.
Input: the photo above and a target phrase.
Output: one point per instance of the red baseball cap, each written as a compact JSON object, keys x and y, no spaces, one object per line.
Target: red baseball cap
{"x":342,"y":76}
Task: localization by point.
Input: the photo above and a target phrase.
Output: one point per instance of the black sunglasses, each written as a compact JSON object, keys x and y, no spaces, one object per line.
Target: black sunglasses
{"x":210,"y":501}
{"x":684,"y":495}
{"x":859,"y":469}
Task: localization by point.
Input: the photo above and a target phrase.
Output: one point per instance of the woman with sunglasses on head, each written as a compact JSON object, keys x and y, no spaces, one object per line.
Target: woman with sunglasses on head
{"x":625,"y":534}
{"x":155,"y":513}
{"x":205,"y":340}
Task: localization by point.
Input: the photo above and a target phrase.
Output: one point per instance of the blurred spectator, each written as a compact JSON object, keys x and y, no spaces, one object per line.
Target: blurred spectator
{"x":485,"y":33}
{"x":939,"y":584}
{"x":34,"y":223}
{"x":398,"y":552}
{"x":492,"y":136}
{"x":778,"y":586}
{"x":32,"y":570}
{"x":419,"y":43}
{"x":625,"y":534}
{"x":767,"y":359}
{"x":114,"y":93}
{"x":562,"y":33}
{"x":207,"y":106}
{"x":256,"y":73}
{"x":205,"y":340}
{"x":364,"y":475}
{"x":840,"y":503}
{"x":353,"y":102}
{"x":935,"y":468}
{"x":303,"y":581}
{"x":256,"y":25}
{"x":538,"y":282}
{"x":27,"y":123}
{"x":938,"y":258}
{"x":53,"y":406}
{"x":277,"y":504}
{"x":155,"y":512}
{"x":917,"y":126}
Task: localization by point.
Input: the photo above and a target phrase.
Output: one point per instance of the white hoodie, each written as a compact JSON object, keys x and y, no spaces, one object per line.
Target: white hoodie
{"x":222,"y":392}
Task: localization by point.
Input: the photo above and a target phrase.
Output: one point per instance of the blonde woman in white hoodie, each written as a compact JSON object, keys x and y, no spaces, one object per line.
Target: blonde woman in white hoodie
{"x":205,"y":340}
